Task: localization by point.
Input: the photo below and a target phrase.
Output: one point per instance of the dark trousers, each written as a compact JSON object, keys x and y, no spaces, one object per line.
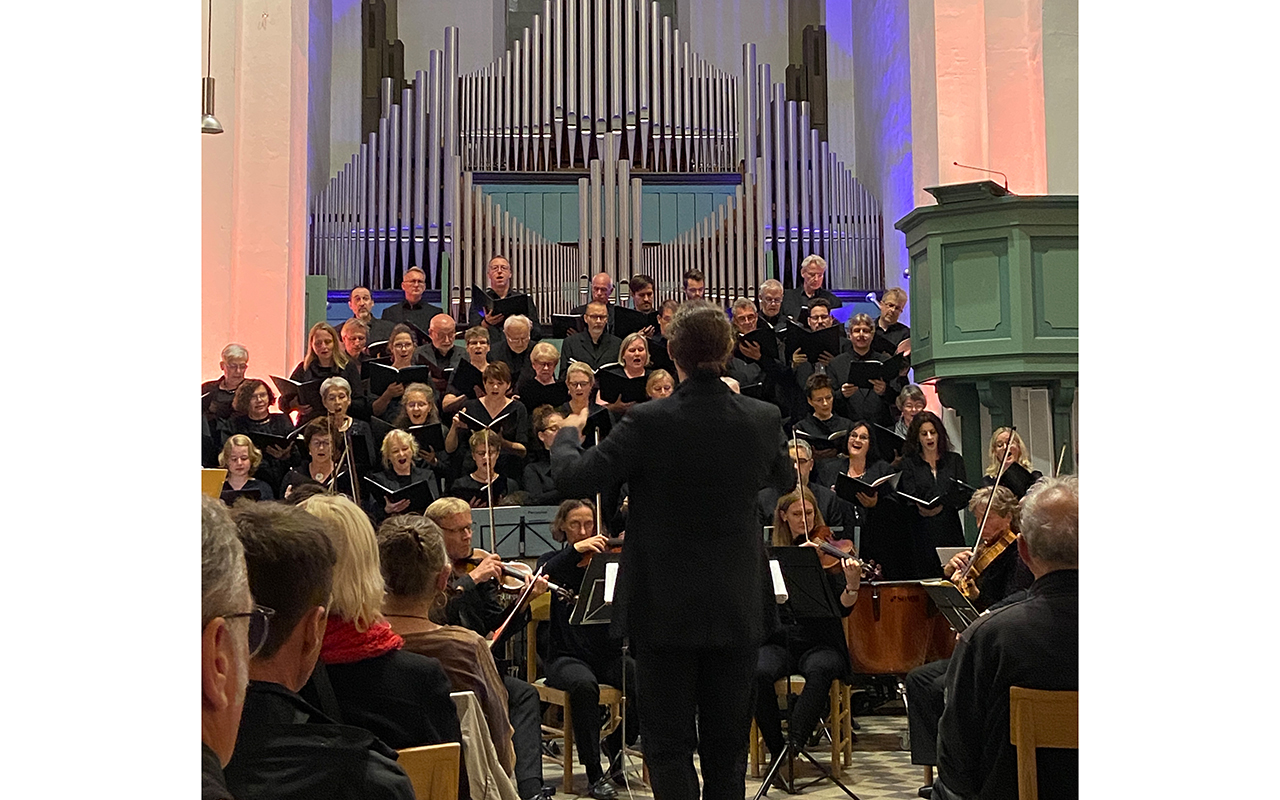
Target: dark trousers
{"x":525,"y":712}
{"x":924,"y":709}
{"x":712,"y":686}
{"x":582,"y":683}
{"x":820,"y":666}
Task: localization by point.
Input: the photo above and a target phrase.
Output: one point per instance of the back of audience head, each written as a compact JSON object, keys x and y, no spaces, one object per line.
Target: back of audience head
{"x":224,"y":656}
{"x":1049,"y":519}
{"x":412,"y":556}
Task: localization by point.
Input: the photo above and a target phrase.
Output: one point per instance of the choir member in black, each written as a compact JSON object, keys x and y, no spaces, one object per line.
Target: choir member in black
{"x":233,"y":363}
{"x":336,"y":394}
{"x":542,"y":388}
{"x":578,"y":380}
{"x":642,"y":297}
{"x":813,"y":648}
{"x":911,"y":401}
{"x":838,"y":513}
{"x":418,"y":407}
{"x":819,"y":318}
{"x":633,"y":356}
{"x":1003,"y":578}
{"x":769,"y":366}
{"x":695,"y":285}
{"x":595,"y":346}
{"x":581,"y":657}
{"x":892,"y":336}
{"x":355,"y":339}
{"x":601,"y":292}
{"x":513,"y":348}
{"x":240,"y":457}
{"x":1015,"y":452}
{"x":401,"y":347}
{"x":822,"y":424}
{"x":883,"y":539}
{"x":537,"y":471}
{"x":253,"y":414}
{"x":660,"y":384}
{"x":473,"y":603}
{"x":478,"y":355}
{"x":413,"y":308}
{"x":928,"y":466}
{"x":399,"y":471}
{"x":360,"y":301}
{"x":486,"y":447}
{"x":862,"y":403}
{"x":494,"y":404}
{"x":658,"y":355}
{"x":813,"y":269}
{"x":770,"y":305}
{"x":325,"y":359}
{"x":499,"y":273}
{"x":319,"y":466}
{"x":442,"y":350}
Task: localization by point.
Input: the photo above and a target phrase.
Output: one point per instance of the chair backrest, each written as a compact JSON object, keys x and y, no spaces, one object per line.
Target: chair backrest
{"x":434,"y":770}
{"x":1039,"y":718}
{"x":539,"y":611}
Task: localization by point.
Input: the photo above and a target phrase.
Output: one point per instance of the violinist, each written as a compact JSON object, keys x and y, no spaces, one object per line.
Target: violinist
{"x":474,"y":603}
{"x":581,"y":657}
{"x":814,"y":648}
{"x":1002,"y":577}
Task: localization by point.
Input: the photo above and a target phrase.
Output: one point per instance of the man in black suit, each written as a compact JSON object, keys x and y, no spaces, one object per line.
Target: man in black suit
{"x":360,"y":302}
{"x":499,"y":273}
{"x":413,"y":308}
{"x":693,"y":463}
{"x":601,"y":292}
{"x":796,"y":302}
{"x":1034,"y":644}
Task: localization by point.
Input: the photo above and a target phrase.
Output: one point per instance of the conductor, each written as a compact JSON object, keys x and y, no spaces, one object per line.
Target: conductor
{"x":693,"y":590}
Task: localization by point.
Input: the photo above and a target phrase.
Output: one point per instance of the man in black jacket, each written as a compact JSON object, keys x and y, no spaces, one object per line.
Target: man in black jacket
{"x":413,"y":308}
{"x":286,"y":748}
{"x":693,"y":463}
{"x":1034,"y":644}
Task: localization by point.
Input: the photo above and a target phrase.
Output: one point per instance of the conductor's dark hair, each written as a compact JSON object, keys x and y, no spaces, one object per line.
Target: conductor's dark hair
{"x":816,"y":382}
{"x":290,"y":561}
{"x":912,"y":446}
{"x":700,"y":338}
{"x":240,"y":402}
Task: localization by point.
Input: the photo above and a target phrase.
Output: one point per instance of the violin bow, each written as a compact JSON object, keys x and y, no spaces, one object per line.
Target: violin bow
{"x":800,"y":487}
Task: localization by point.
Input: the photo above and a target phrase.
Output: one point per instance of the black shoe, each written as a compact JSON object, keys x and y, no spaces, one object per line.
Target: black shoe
{"x":925,"y":792}
{"x":544,"y":793}
{"x":603,"y":790}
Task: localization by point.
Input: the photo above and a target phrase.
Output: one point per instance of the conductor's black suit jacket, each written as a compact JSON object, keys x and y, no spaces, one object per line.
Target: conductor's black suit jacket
{"x":693,"y":571}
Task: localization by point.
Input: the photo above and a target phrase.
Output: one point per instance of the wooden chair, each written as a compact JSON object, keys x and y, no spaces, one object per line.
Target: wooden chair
{"x":434,"y":770}
{"x":1040,"y":718}
{"x":609,"y":696}
{"x":839,"y":724}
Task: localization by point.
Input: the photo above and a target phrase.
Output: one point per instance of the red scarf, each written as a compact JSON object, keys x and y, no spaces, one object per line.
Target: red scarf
{"x":343,"y":644}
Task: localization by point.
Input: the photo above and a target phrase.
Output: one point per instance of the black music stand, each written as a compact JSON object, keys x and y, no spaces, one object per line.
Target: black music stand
{"x":594,"y":607}
{"x":513,"y":526}
{"x":811,"y":597}
{"x":959,"y":612}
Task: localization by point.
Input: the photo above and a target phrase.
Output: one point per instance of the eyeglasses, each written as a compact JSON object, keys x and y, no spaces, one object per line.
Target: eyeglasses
{"x":499,"y":268}
{"x":803,"y":461}
{"x":259,"y":626}
{"x":415,"y":282}
{"x":466,"y":528}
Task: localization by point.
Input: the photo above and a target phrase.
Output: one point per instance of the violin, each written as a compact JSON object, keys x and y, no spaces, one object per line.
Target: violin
{"x":833,"y":552}
{"x":966,"y":580}
{"x":514,"y":574}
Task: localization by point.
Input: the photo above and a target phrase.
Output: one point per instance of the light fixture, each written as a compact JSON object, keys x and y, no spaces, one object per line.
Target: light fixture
{"x":208,"y":122}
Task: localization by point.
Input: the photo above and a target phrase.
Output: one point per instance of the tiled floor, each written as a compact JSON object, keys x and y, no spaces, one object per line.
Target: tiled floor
{"x":881,"y":768}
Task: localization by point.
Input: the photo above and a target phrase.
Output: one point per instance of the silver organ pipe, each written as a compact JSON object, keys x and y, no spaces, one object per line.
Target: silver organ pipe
{"x":604,"y":94}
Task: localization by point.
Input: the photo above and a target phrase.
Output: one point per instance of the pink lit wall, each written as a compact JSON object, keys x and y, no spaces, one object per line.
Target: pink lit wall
{"x":255,"y":187}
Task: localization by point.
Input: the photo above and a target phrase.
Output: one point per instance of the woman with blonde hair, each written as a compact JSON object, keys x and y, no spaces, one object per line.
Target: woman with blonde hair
{"x":1008,"y":445}
{"x":241,"y":459}
{"x":415,"y":569}
{"x":401,"y":697}
{"x":325,"y":358}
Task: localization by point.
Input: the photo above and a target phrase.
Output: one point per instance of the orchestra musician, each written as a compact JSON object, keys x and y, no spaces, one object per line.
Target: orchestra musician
{"x":415,"y":567}
{"x":324,"y":359}
{"x":814,"y":648}
{"x":581,"y":657}
{"x":241,"y":458}
{"x":473,"y":603}
{"x":928,"y":467}
{"x":692,"y":464}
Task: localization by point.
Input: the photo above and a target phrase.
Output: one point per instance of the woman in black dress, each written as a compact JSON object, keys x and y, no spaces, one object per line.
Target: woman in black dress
{"x":1008,"y":445}
{"x":493,"y":405}
{"x":319,"y":466}
{"x":537,"y":471}
{"x":253,"y":415}
{"x":473,"y":487}
{"x":884,"y":540}
{"x":336,"y":394}
{"x":930,"y":469}
{"x":325,"y":359}
{"x":399,"y":471}
{"x":400,"y":346}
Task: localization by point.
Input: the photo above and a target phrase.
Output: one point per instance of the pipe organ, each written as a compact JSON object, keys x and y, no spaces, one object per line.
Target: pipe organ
{"x":604,"y":94}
